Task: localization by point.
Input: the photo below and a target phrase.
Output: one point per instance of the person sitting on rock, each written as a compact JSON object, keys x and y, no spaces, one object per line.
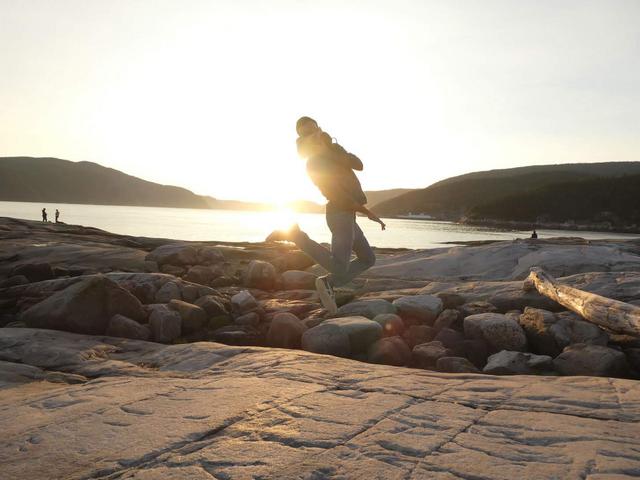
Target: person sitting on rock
{"x":331,"y":167}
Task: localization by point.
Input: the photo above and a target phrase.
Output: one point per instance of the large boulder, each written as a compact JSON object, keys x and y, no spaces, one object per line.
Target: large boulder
{"x":366,"y":308}
{"x":203,"y":274}
{"x":243,"y":302}
{"x":84,"y":307}
{"x":476,"y":350}
{"x":212,"y":305}
{"x":190,"y":292}
{"x":518,"y":363}
{"x":456,"y":365}
{"x":498,"y":331}
{"x":417,"y":334}
{"x":121,"y":326}
{"x":207,"y":255}
{"x":174,"y":254}
{"x":292,"y":260}
{"x":34,"y":272}
{"x":144,"y":291}
{"x":328,"y":339}
{"x":165,"y":323}
{"x":362,"y":332}
{"x":285,"y":331}
{"x":298,"y":280}
{"x":591,"y":360}
{"x":260,"y":274}
{"x":251,"y":318}
{"x":452,"y":339}
{"x":449,"y":318}
{"x":426,"y":355}
{"x":419,"y":309}
{"x":550,"y":333}
{"x":359,"y":331}
{"x":169,"y":291}
{"x":389,"y":351}
{"x":193,"y":317}
{"x":391,"y":324}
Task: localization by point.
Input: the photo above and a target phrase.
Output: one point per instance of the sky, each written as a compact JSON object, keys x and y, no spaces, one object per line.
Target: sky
{"x":204,"y":94}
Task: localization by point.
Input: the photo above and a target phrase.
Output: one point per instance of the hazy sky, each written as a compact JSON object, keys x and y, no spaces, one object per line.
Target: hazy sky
{"x":205,"y":94}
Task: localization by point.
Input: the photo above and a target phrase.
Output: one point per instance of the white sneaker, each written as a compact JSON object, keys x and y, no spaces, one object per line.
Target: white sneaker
{"x":327,"y":295}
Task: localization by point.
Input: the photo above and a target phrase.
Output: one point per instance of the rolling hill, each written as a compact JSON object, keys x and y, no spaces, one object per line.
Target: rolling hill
{"x":30,"y":179}
{"x":465,"y":195}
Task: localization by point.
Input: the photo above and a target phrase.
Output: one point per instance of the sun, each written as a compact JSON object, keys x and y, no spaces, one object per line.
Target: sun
{"x":283,"y":217}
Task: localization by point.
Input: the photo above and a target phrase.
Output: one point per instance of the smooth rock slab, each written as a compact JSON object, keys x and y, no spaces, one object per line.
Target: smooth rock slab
{"x":205,"y":410}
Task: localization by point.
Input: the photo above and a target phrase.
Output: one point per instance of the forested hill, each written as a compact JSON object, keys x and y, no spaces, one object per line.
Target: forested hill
{"x":615,"y":200}
{"x":28,"y":179}
{"x":465,"y":195}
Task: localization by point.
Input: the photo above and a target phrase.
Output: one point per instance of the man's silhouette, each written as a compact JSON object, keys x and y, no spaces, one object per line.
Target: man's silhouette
{"x":331,"y":168}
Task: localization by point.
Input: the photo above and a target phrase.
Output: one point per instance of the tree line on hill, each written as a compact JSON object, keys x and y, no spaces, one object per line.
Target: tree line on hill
{"x":584,"y":193}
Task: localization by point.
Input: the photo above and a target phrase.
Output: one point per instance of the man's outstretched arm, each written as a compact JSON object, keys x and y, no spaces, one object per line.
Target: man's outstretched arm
{"x":348,"y":159}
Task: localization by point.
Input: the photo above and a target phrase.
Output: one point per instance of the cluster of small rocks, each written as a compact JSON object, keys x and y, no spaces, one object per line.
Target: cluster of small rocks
{"x":197,"y":295}
{"x":418,"y":331}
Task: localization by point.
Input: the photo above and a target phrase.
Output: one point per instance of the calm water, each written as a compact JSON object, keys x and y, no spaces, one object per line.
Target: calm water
{"x":237,"y":226}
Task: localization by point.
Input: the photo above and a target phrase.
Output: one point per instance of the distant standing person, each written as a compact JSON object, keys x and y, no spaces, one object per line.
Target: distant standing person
{"x":534,"y":234}
{"x":44,"y":214}
{"x":331,"y":167}
{"x":57,"y":215}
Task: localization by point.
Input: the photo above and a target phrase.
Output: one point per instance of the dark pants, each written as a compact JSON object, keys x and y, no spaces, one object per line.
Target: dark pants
{"x":345,"y":237}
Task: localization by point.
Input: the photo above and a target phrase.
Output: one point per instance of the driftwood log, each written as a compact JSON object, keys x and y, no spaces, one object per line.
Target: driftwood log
{"x":614,"y":315}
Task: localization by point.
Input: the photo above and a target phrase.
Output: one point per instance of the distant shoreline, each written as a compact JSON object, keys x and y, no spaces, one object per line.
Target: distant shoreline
{"x":513,"y":225}
{"x":604,"y":227}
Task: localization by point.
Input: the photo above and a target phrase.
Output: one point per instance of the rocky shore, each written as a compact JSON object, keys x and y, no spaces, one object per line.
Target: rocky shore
{"x":593,"y":226}
{"x":105,"y":334}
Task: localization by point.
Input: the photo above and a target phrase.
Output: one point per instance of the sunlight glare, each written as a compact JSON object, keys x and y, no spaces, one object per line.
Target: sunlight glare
{"x":284,"y":218}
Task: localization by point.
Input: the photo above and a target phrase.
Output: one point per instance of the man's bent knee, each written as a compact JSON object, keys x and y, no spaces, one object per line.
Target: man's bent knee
{"x":369,"y":260}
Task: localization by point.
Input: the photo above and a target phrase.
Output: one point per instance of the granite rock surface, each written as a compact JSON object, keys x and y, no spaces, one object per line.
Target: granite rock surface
{"x":77,"y":406}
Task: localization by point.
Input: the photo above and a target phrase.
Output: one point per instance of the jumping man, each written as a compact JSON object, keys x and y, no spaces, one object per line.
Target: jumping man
{"x":331,"y":168}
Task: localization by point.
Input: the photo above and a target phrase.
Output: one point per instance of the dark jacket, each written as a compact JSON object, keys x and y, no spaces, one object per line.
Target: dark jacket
{"x":332,"y":172}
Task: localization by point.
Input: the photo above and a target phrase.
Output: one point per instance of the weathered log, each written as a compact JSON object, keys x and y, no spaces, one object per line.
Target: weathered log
{"x":612,"y":314}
